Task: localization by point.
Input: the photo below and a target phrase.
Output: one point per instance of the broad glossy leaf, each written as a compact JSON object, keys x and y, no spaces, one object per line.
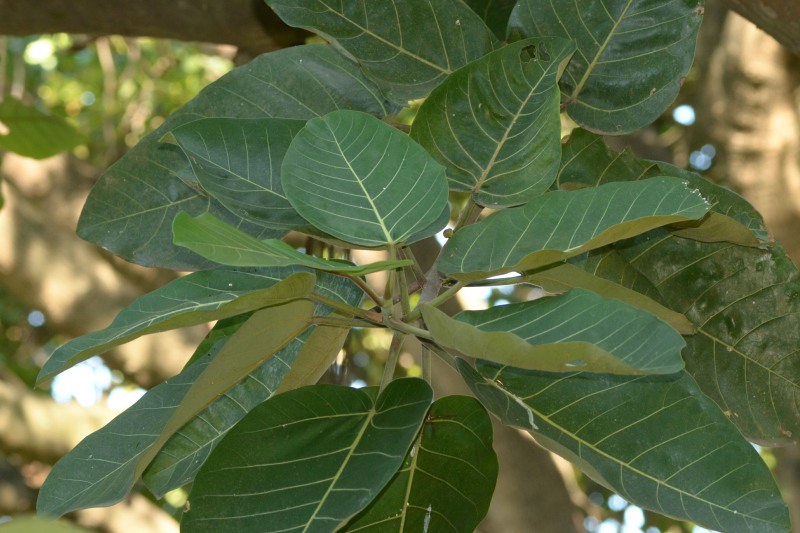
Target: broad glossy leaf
{"x":181,"y":457}
{"x":746,"y":304}
{"x":32,"y":132}
{"x":566,"y":276}
{"x":631,"y":60}
{"x":273,"y":472}
{"x":495,"y":124}
{"x":363,"y":181}
{"x":407,"y":47}
{"x":656,"y":440}
{"x":576,"y":330}
{"x":224,"y":244}
{"x":495,"y":14}
{"x":562,"y":224}
{"x":238,"y":162}
{"x":447,"y":479}
{"x":193,"y":299}
{"x":130,"y":210}
{"x":587,"y":161}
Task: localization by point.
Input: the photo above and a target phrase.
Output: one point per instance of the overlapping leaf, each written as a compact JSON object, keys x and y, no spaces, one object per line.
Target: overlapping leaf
{"x":631,"y":60}
{"x":407,"y":47}
{"x":130,"y":210}
{"x":363,"y":181}
{"x":224,"y":244}
{"x":495,"y":14}
{"x":577,"y":330}
{"x":103,"y":467}
{"x":238,"y":162}
{"x":447,"y":478}
{"x":563,"y":224}
{"x":495,"y":124}
{"x":656,"y":440}
{"x":274,"y":472}
{"x":194,"y":299}
{"x":32,"y":132}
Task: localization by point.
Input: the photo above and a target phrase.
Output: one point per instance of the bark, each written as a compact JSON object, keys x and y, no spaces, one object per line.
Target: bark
{"x":779,"y":18}
{"x":248,"y":24}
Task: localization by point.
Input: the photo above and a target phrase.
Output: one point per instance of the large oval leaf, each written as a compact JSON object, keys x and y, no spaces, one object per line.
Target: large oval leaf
{"x":309,"y":458}
{"x":407,"y":47}
{"x":363,"y":181}
{"x":33,"y":132}
{"x":577,"y":330}
{"x":238,"y":162}
{"x":563,"y":224}
{"x":447,"y":479}
{"x":631,"y":60}
{"x":195,"y":299}
{"x":656,"y":440}
{"x":495,"y":124}
{"x":130,"y":210}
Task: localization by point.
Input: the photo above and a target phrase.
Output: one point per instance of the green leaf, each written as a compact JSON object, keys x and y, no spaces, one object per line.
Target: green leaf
{"x":566,"y":276}
{"x":224,"y":244}
{"x":318,"y":354}
{"x":447,"y":479}
{"x":407,"y":47}
{"x":563,"y":224}
{"x":250,"y":482}
{"x":131,"y":209}
{"x":194,"y":299}
{"x":495,"y":123}
{"x":577,"y":330}
{"x":238,"y":162}
{"x":495,"y":14}
{"x":656,"y":440}
{"x":182,"y":455}
{"x":586,"y":160}
{"x":33,"y":524}
{"x":32,"y":132}
{"x":363,"y":181}
{"x":745,"y":302}
{"x":632,"y":55}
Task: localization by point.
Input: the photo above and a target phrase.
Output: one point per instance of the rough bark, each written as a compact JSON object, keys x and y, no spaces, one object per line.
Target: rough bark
{"x":248,"y":24}
{"x":779,"y":18}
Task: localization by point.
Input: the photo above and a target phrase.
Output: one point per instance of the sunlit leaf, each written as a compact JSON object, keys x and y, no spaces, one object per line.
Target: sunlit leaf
{"x":655,"y":440}
{"x":447,"y":478}
{"x":563,"y":224}
{"x":193,"y":299}
{"x":495,"y":124}
{"x":577,"y":330}
{"x":632,"y":55}
{"x":274,"y":472}
{"x":224,"y":244}
{"x":238,"y":162}
{"x":407,"y":47}
{"x":363,"y":181}
{"x":32,"y":132}
{"x":131,"y":209}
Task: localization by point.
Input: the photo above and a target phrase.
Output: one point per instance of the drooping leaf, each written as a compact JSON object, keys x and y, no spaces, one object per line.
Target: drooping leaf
{"x":447,"y":479}
{"x":631,"y":60}
{"x":193,"y":299}
{"x":495,"y":123}
{"x":318,"y":354}
{"x":586,"y":160}
{"x":32,"y":132}
{"x":745,"y":303}
{"x":363,"y":181}
{"x":274,"y":472}
{"x":577,"y":330}
{"x":563,"y":224}
{"x":566,"y":276}
{"x":238,"y":162}
{"x":495,"y":14}
{"x":407,"y":47}
{"x":182,"y":455}
{"x":224,"y":244}
{"x":655,"y":440}
{"x":130,"y":210}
